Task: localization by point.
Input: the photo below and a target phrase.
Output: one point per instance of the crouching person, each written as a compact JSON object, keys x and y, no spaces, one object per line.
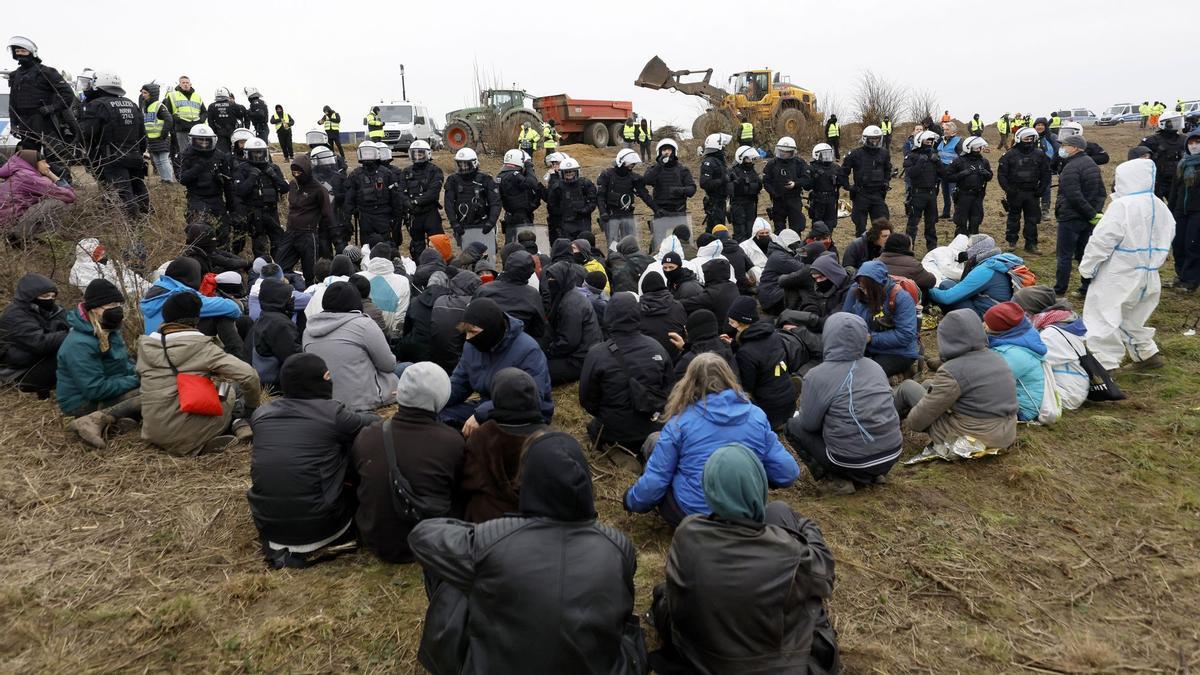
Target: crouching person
{"x":745,"y":585}
{"x":32,"y":328}
{"x":495,"y":608}
{"x":847,"y":432}
{"x":298,"y":496}
{"x":178,"y":348}
{"x":414,"y":445}
{"x":97,"y":383}
{"x":973,"y":396}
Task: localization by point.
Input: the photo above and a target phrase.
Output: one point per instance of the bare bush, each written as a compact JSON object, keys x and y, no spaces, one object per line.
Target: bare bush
{"x":922,"y":103}
{"x":877,"y":97}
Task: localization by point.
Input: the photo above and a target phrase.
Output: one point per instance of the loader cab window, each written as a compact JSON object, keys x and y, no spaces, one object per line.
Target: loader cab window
{"x":751,"y":85}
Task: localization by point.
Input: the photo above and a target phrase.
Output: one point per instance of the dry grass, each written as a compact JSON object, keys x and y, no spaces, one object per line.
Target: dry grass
{"x":1074,"y":552}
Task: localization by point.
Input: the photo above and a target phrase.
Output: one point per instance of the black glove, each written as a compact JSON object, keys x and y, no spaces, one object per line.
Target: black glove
{"x":457,"y":230}
{"x":659,"y":213}
{"x":488,"y":228}
{"x":46,"y":110}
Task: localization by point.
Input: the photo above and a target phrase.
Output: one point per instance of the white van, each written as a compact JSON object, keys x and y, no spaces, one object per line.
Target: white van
{"x":8,"y":144}
{"x":405,"y":122}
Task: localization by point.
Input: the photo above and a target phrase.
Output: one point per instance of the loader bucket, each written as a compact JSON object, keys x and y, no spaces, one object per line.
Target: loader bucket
{"x":656,"y":75}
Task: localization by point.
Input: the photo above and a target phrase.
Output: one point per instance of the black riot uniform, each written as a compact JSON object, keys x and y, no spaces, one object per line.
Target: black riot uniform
{"x":335,"y":238}
{"x":1024,"y":172}
{"x":39,"y":108}
{"x":257,"y":116}
{"x":924,"y":170}
{"x":714,"y":180}
{"x":575,"y":199}
{"x":787,"y":203}
{"x":208,"y":177}
{"x":744,"y":186}
{"x":421,"y":183}
{"x":259,"y":186}
{"x":1167,"y":147}
{"x":826,"y":179}
{"x":519,"y":195}
{"x":472,"y":202}
{"x":372,"y":195}
{"x":970,"y":173}
{"x":871,"y":170}
{"x":114,"y":134}
{"x":224,"y":116}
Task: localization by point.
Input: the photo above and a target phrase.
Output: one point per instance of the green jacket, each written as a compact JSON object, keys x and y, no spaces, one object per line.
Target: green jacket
{"x":87,"y":375}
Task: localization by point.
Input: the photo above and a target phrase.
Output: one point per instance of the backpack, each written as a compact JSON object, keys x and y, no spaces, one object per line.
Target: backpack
{"x":908,"y":285}
{"x":1050,"y":408}
{"x":1021,"y":277}
{"x":645,"y":399}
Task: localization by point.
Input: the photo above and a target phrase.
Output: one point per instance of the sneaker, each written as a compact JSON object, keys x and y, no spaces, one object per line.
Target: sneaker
{"x":91,"y":428}
{"x":217,"y":445}
{"x":1153,"y":363}
{"x":1033,"y":250}
{"x":833,"y":487}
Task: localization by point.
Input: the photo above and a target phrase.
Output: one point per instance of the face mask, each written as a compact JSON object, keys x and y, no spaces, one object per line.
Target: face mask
{"x":485,"y":341}
{"x":110,"y":319}
{"x":46,"y":304}
{"x":1062,"y":152}
{"x":579,"y":257}
{"x":825,"y":286}
{"x":674,"y":275}
{"x":1194,"y":148}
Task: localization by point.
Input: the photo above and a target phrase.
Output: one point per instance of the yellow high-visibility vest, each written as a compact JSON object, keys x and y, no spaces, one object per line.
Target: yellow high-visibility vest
{"x":886,"y":128}
{"x":644,"y":134}
{"x":186,"y":106}
{"x":154,"y":126}
{"x":374,"y":126}
{"x":629,"y":132}
{"x":1055,"y":122}
{"x":1002,"y":125}
{"x":747,"y":131}
{"x":528,"y":136}
{"x":332,"y":123}
{"x":1144,"y":109}
{"x":832,"y":131}
{"x":976,"y":124}
{"x":280,"y":120}
{"x":549,"y":136}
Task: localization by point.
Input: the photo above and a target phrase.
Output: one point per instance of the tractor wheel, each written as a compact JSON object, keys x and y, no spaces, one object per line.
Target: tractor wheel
{"x":790,"y":122}
{"x":459,"y":134}
{"x":616,"y":132}
{"x":711,"y":122}
{"x":511,"y":123}
{"x":596,"y":134}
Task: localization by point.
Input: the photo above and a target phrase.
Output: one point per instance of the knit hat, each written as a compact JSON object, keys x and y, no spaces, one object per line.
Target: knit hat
{"x":596,"y":280}
{"x":100,"y":292}
{"x":705,"y":239}
{"x":654,"y":282}
{"x":423,"y":386}
{"x":1035,"y":299}
{"x":354,"y":253}
{"x":1075,"y":142}
{"x":683,"y":232}
{"x":441,"y":243}
{"x":672,"y":257}
{"x":701,"y":325}
{"x":1137,"y":152}
{"x":515,"y":398}
{"x":819,"y":230}
{"x":1003,"y":317}
{"x":898,"y":242}
{"x":363,"y":285}
{"x":744,"y":309}
{"x":341,"y":297}
{"x":181,"y":307}
{"x":979,"y":244}
{"x":302,"y":376}
{"x":186,"y":271}
{"x":719,"y":230}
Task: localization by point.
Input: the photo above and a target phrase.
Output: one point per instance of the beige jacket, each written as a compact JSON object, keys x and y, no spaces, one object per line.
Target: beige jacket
{"x":192,"y":352}
{"x":935,"y":415}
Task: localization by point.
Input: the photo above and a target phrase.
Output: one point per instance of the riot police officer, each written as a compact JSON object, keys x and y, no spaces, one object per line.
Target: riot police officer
{"x":207,"y":174}
{"x":575,"y":198}
{"x":371,"y":195}
{"x":870,"y":165}
{"x":114,"y":134}
{"x":1167,"y":147}
{"x":421,"y":182}
{"x":224,"y":116}
{"x":39,"y":106}
{"x":924,"y":170}
{"x":326,"y":172}
{"x":259,"y":184}
{"x":785,"y":178}
{"x":518,"y":192}
{"x":826,"y":178}
{"x":714,"y":180}
{"x":970,"y":173}
{"x":615,"y":191}
{"x":1023,"y":173}
{"x":257,"y":114}
{"x":745,"y":184}
{"x":472,"y":197}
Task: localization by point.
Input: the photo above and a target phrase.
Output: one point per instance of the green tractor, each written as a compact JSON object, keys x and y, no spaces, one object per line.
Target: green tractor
{"x":497,"y":119}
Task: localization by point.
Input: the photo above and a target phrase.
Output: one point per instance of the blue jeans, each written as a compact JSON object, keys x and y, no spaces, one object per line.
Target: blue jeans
{"x":1073,"y":237}
{"x":162,"y":165}
{"x":947,"y":190}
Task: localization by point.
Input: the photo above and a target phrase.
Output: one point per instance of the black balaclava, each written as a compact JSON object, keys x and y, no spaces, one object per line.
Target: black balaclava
{"x":303,"y":376}
{"x":342,"y":266}
{"x":186,"y":271}
{"x":200,"y":236}
{"x":487,"y":315}
{"x":701,"y":325}
{"x":676,"y":274}
{"x":763,"y":243}
{"x":556,"y":482}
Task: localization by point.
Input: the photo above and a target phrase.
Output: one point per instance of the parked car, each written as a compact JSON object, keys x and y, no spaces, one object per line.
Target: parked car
{"x":1084,"y":116}
{"x":1191,"y":107}
{"x":405,"y":122}
{"x":1119,"y":113}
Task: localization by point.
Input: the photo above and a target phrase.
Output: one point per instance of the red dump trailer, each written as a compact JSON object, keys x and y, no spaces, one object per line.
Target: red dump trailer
{"x":585,"y":120}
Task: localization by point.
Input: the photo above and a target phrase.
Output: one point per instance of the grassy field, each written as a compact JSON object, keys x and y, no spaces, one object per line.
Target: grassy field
{"x":1073,"y":552}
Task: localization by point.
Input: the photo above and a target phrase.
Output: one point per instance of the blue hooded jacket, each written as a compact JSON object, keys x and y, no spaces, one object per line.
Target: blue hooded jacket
{"x":689,"y":438}
{"x":476,"y":369}
{"x":1023,"y":351}
{"x":985,"y":285}
{"x":901,"y":340}
{"x":209,"y":307}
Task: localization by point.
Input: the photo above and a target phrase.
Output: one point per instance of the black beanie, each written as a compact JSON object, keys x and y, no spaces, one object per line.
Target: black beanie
{"x":342,"y":266}
{"x":683,"y":232}
{"x":744,"y":309}
{"x":303,"y":376}
{"x":341,"y":297}
{"x":186,"y":271}
{"x":701,"y":325}
{"x":596,"y":280}
{"x":898,"y":242}
{"x":515,"y":398}
{"x":181,"y":307}
{"x":673,"y":258}
{"x":654,"y":282}
{"x":100,"y":292}
{"x":363,"y":285}
{"x":485,"y":314}
{"x":705,"y":239}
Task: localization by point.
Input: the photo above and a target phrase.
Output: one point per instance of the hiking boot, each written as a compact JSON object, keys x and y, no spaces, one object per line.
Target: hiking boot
{"x":1033,"y":250}
{"x":217,"y":445}
{"x":1153,"y":363}
{"x":91,"y":428}
{"x":1182,"y":287}
{"x":834,"y":487}
{"x":242,"y":430}
{"x":1012,"y":247}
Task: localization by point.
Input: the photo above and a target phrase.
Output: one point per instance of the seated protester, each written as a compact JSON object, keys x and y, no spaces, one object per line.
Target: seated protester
{"x":178,"y":347}
{"x":272,"y":271}
{"x":32,"y":328}
{"x":514,"y":296}
{"x":97,"y":384}
{"x":363,"y":367}
{"x":762,"y":362}
{"x":339,"y":270}
{"x":30,"y":196}
{"x":846,"y":431}
{"x":718,"y":294}
{"x":900,"y":261}
{"x":446,"y":338}
{"x":363,"y":286}
{"x":201,"y":245}
{"x":428,"y":262}
{"x":1063,"y":333}
{"x":869,"y":246}
{"x":709,"y":248}
{"x":471,"y":254}
{"x":428,"y":454}
{"x":274,"y":337}
{"x":891,"y":317}
{"x":973,"y":393}
{"x":92,"y":262}
{"x":736,"y":257}
{"x":661,"y":313}
{"x":390,"y":292}
{"x":758,"y":247}
{"x":781,"y":264}
{"x":581,"y":254}
{"x":416,"y":344}
{"x":681,"y":281}
{"x":299,"y":497}
{"x":626,"y":265}
{"x":587,"y":583}
{"x":706,"y":410}
{"x":746,"y":585}
{"x":1014,"y":337}
{"x":492,"y":458}
{"x":487,"y":273}
{"x":821,"y":234}
{"x":604,"y":382}
{"x":218,"y":316}
{"x":679,"y":242}
{"x":560,"y":250}
{"x":597,"y":253}
{"x":494,"y":341}
{"x":573,"y":325}
{"x":831,"y":284}
{"x":593,"y":290}
{"x":702,"y":336}
{"x":985,"y":280}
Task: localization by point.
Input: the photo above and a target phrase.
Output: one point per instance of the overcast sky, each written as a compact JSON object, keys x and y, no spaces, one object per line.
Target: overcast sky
{"x":306,"y":54}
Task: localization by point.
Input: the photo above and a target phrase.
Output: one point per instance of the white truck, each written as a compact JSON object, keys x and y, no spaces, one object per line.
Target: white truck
{"x":405,"y":122}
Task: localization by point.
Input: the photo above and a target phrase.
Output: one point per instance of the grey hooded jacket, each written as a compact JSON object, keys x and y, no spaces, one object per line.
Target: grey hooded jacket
{"x":360,"y":363}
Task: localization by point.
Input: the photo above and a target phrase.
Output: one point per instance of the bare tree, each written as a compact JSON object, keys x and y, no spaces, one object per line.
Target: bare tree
{"x":829,"y":103}
{"x":877,"y":97}
{"x":921,"y":104}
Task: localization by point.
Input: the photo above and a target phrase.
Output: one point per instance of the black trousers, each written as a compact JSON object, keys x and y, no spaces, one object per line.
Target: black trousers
{"x":867,"y":205}
{"x":810,"y":448}
{"x":1072,"y":239}
{"x":263,"y":229}
{"x":822,"y":208}
{"x":1023,"y":203}
{"x":788,"y":214}
{"x":923,"y":203}
{"x":968,"y":212}
{"x":300,"y":247}
{"x":420,"y":228}
{"x":130,"y":186}
{"x":892,"y":364}
{"x":335,"y":140}
{"x":836,"y":142}
{"x":374,"y":228}
{"x":285,"y":143}
{"x":714,"y":212}
{"x":741,"y":216}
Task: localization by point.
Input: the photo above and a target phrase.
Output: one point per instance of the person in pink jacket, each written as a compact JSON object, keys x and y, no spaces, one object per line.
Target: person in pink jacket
{"x":27,"y":182}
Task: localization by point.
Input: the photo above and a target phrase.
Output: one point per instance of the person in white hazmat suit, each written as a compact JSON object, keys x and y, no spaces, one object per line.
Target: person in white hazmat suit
{"x":1122,"y":258}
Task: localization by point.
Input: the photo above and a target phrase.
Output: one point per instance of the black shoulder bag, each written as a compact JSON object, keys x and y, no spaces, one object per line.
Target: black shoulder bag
{"x":405,"y":502}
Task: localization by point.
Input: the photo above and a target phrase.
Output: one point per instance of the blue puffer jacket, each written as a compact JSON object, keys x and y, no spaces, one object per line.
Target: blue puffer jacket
{"x":154,"y":300}
{"x":689,"y":438}
{"x":85,"y":374}
{"x":901,"y":339}
{"x":475,"y":370}
{"x":985,"y":285}
{"x":1024,"y":351}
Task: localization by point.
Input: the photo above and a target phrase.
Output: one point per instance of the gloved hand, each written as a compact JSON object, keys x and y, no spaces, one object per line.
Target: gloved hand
{"x":1095,"y":219}
{"x":46,"y":110}
{"x":487,"y":229}
{"x":457,"y":230}
{"x":659,"y":213}
{"x":604,"y":218}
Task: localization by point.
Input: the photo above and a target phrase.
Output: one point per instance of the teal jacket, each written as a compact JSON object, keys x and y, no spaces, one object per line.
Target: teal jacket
{"x":84,"y":373}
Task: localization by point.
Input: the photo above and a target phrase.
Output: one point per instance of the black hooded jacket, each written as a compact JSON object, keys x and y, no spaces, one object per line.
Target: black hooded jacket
{"x":512,"y":292}
{"x":626,"y":265}
{"x":309,"y":208}
{"x":661,"y":314}
{"x":416,"y":345}
{"x":718,"y":294}
{"x":573,"y":325}
{"x":780,"y":262}
{"x":446,"y":341}
{"x":740,"y":262}
{"x":28,"y":332}
{"x":703,"y":341}
{"x":274,"y":335}
{"x":762,"y":370}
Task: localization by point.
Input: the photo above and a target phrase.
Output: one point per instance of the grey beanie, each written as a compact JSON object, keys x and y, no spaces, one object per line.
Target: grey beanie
{"x":423,"y":386}
{"x":979,"y":244}
{"x":1075,"y":142}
